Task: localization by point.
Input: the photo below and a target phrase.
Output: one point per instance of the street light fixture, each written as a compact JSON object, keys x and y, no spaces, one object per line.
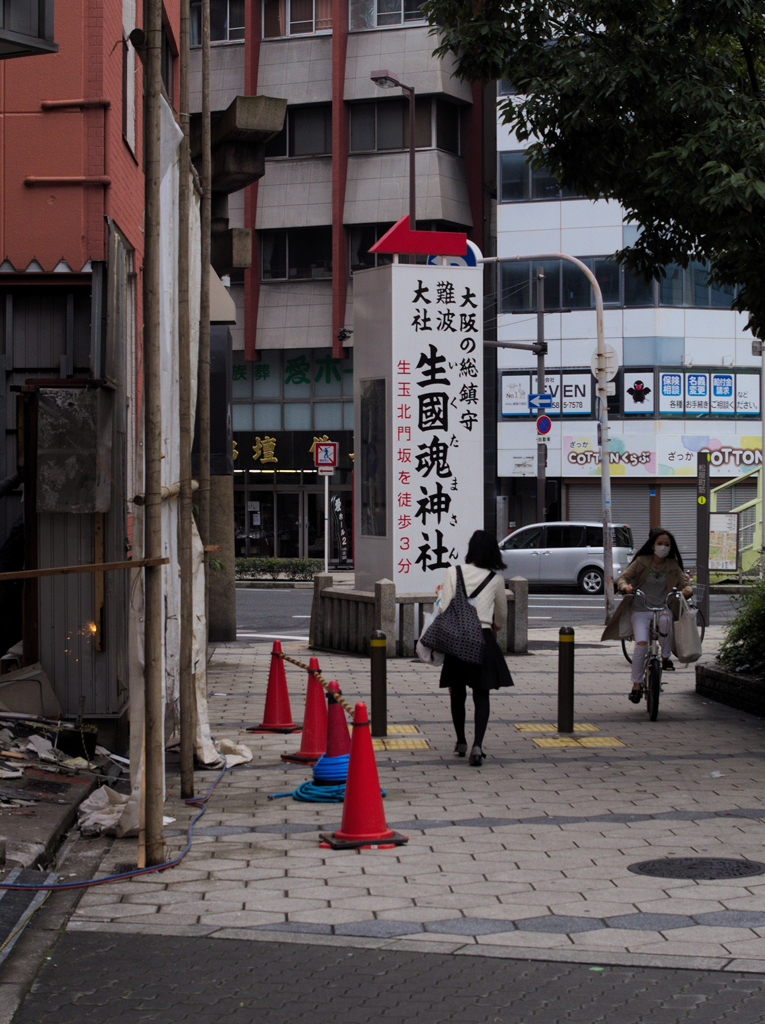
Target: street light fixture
{"x":388,"y":81}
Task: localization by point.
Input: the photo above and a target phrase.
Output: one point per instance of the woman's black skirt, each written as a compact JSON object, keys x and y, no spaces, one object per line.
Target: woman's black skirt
{"x":489,"y":676}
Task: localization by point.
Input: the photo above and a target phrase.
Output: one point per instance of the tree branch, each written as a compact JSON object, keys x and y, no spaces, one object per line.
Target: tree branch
{"x":750,"y":65}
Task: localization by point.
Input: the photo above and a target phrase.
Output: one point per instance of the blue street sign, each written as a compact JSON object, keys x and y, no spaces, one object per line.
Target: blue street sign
{"x":544,"y":425}
{"x":543,"y":401}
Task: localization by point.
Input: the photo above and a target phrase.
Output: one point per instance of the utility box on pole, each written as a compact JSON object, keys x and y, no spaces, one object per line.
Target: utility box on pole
{"x":418,"y":406}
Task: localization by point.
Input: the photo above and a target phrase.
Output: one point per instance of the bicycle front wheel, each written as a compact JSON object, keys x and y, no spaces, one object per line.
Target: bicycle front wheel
{"x":654,"y":689}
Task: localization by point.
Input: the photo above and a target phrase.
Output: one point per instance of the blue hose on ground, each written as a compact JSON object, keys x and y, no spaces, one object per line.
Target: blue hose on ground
{"x":328,"y":785}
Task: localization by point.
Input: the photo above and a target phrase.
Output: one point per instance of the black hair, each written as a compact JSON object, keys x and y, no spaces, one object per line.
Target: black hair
{"x":674,"y":551}
{"x":483,"y":551}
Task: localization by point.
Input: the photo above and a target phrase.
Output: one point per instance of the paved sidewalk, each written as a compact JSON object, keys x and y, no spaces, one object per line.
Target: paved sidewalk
{"x":525,"y":858}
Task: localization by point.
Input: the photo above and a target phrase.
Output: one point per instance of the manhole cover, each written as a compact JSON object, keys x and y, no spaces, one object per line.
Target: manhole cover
{"x":698,"y":868}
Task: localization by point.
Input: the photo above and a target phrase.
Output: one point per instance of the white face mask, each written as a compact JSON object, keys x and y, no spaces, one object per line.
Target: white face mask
{"x":661,"y":550}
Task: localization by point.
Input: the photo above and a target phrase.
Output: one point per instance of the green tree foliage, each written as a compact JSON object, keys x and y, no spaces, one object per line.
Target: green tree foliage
{"x":743,"y":649}
{"x":656,"y":104}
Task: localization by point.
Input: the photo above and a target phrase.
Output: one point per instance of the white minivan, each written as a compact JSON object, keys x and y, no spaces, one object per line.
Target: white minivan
{"x":568,"y":554}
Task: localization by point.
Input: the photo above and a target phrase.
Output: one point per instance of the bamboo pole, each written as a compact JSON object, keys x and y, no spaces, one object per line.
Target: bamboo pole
{"x":203,"y":381}
{"x":186,"y":682}
{"x":153,"y":711}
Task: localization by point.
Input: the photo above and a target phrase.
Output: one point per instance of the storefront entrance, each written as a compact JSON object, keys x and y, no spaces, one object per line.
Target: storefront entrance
{"x":288,"y":522}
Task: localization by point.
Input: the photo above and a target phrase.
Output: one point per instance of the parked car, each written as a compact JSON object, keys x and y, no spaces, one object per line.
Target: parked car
{"x":568,"y":554}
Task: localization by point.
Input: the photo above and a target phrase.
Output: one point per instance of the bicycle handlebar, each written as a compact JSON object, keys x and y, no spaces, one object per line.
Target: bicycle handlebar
{"x":661,"y":607}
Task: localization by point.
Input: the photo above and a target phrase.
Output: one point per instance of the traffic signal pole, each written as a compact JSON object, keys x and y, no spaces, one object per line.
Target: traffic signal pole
{"x":541,"y":349}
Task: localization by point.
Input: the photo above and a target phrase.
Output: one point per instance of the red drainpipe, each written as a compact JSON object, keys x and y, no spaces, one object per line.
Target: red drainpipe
{"x":251,"y":275}
{"x":339,"y":171}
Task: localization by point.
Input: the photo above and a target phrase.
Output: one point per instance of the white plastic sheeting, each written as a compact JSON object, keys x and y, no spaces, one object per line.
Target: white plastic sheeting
{"x":169,"y":383}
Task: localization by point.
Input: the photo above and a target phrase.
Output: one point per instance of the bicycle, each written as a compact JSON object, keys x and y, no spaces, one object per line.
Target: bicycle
{"x":650,"y":684}
{"x":627,"y":645}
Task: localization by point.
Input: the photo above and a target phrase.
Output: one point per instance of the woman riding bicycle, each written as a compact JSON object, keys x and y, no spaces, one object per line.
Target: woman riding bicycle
{"x":655,"y":571}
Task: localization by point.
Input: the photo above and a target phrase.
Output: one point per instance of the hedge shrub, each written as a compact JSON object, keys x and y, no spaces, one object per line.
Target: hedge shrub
{"x":743,"y":649}
{"x":278,"y":568}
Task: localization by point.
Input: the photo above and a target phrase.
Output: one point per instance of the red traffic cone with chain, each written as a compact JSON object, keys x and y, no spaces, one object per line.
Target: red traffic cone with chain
{"x":363,"y":821}
{"x":338,"y":736}
{"x":277,"y":716}
{"x":313,"y":742}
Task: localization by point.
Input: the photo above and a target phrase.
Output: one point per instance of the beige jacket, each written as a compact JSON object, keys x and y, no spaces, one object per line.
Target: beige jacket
{"x":634,"y":575}
{"x":491,"y":603}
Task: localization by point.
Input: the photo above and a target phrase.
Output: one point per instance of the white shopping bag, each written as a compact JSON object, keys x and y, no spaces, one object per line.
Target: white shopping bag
{"x":425,"y":654}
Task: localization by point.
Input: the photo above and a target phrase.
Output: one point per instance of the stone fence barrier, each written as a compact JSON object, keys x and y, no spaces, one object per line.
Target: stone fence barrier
{"x":343,"y":620}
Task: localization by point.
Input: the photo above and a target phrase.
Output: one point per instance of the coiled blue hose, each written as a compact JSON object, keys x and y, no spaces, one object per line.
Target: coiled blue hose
{"x":328,"y":785}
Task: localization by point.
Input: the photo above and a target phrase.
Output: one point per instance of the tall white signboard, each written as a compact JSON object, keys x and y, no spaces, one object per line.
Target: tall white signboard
{"x":430,"y":367}
{"x":437,"y":423}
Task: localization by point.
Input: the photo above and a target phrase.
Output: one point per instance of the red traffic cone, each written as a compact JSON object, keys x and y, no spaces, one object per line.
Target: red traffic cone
{"x":338,"y":736}
{"x":277,"y":716}
{"x":314,"y":739}
{"x":363,"y":821}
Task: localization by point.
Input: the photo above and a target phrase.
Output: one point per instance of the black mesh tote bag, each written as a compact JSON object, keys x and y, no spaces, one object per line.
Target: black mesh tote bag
{"x":457,"y":631}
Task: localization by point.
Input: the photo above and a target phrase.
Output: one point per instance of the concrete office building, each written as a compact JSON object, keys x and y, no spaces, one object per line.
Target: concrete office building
{"x":686,"y":378}
{"x":336,"y":178}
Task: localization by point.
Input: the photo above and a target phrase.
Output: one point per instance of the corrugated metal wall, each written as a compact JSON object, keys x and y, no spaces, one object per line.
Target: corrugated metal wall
{"x":51,"y":331}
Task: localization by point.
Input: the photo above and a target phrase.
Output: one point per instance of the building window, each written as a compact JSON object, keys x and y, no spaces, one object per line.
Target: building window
{"x":378,"y":13}
{"x":382,"y":125}
{"x":294,"y":389}
{"x":296,"y":253}
{"x":167,"y":63}
{"x":226,"y":21}
{"x":519,"y":182}
{"x":296,"y":17}
{"x":566,"y":287}
{"x":307,"y":131}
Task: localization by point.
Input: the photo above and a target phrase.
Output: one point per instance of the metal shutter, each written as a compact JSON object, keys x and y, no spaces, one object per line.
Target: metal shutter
{"x":678,"y":515}
{"x":731,"y":497}
{"x":630,"y":501}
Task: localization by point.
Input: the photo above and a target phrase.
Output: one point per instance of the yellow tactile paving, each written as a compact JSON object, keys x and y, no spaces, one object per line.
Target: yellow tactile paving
{"x":552,"y":741}
{"x":547,"y":727}
{"x":400,"y":745}
{"x":587,"y":741}
{"x":402,"y":730}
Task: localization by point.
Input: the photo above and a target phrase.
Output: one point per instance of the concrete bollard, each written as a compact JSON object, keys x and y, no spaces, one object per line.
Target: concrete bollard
{"x":378,"y":657}
{"x":566,"y":679}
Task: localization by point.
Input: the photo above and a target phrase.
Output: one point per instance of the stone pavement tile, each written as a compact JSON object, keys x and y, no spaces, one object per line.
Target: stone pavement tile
{"x":422,"y":914}
{"x":615,"y":938}
{"x":159,"y":899}
{"x":749,"y":964}
{"x":456,"y":900}
{"x":116,"y":911}
{"x":144,"y":928}
{"x":283,"y":904}
{"x":371,"y":903}
{"x":240,"y":918}
{"x":98,"y":898}
{"x":211,"y":886}
{"x":681,"y":949}
{"x":746,"y":947}
{"x":526,"y":940}
{"x":330,"y":915}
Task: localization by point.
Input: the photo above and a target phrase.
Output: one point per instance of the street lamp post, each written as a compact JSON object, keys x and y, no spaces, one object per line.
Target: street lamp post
{"x":601,"y":391}
{"x":387,"y":81}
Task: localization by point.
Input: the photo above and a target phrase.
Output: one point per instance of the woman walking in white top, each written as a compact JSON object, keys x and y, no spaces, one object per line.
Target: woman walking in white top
{"x":482,"y":563}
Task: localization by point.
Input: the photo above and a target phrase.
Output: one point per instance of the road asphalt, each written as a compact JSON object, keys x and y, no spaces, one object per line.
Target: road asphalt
{"x":516,"y":898}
